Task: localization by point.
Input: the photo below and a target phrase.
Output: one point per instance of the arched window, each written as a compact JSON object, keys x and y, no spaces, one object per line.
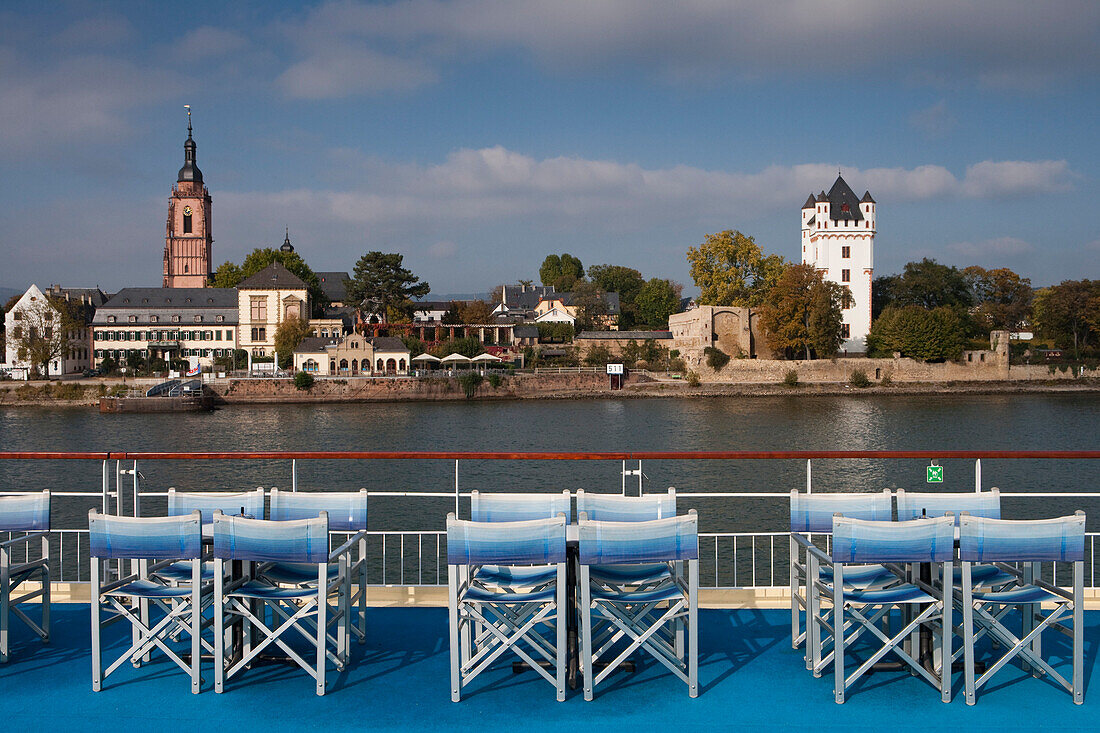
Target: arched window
{"x":354,"y":366}
{"x":391,"y":365}
{"x":379,"y":366}
{"x":401,"y":365}
{"x":331,"y":367}
{"x":343,"y":365}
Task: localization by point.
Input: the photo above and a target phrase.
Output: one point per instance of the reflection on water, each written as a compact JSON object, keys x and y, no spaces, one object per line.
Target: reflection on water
{"x":794,"y":422}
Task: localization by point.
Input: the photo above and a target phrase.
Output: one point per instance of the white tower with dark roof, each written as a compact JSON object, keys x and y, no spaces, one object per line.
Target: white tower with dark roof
{"x":838,"y":238}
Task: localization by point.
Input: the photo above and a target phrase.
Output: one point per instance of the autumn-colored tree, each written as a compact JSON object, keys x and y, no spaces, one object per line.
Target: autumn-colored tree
{"x":44,"y":330}
{"x":229,"y":275}
{"x":1069,"y":313}
{"x":474,"y":311}
{"x":1002,"y":297}
{"x":287,"y":337}
{"x":730,"y":269}
{"x":591,"y":304}
{"x":802,"y":313}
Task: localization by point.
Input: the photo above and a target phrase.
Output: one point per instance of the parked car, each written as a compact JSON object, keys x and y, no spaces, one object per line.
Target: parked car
{"x":91,"y":373}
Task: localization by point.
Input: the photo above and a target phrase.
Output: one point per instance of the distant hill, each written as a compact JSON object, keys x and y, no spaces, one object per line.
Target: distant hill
{"x":6,"y":293}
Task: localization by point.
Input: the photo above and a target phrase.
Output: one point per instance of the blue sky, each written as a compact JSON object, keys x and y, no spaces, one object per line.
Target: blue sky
{"x":476,"y":136}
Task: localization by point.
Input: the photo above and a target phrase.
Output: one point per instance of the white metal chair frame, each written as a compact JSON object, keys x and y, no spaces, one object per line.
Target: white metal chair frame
{"x":490,"y":614}
{"x":985,"y":612}
{"x":637,"y":612}
{"x":303,"y":609}
{"x":13,"y":574}
{"x":849,"y":620}
{"x":135,"y":596}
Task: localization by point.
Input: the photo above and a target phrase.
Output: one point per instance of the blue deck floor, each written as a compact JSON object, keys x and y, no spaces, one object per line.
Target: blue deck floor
{"x":750,"y":679}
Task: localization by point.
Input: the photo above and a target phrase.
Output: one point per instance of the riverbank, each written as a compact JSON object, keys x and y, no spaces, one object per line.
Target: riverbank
{"x":569,"y":386}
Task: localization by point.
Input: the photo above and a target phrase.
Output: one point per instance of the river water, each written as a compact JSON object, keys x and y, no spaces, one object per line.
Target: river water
{"x":953,"y":422}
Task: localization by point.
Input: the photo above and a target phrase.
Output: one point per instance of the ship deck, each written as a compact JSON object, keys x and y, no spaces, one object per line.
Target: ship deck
{"x":750,"y":679}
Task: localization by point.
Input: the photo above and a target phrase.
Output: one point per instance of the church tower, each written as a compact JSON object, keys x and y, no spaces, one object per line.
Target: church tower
{"x":838,"y":238}
{"x":187,"y":255}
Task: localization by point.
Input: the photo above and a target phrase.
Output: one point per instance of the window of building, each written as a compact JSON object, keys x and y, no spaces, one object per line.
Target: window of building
{"x":132,"y":319}
{"x":846,"y":252}
{"x":259,"y":333}
{"x":846,"y":330}
{"x":259,"y":309}
{"x":208,"y":335}
{"x":846,"y":276}
{"x":17,"y":332}
{"x":175,"y":319}
{"x":186,"y":223}
{"x":198,"y":319}
{"x":153,"y":319}
{"x":110,"y":319}
{"x":219,"y":319}
{"x":847,"y":301}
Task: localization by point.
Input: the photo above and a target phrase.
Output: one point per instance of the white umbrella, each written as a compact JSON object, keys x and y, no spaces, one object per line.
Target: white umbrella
{"x":426,"y":357}
{"x":455,"y":358}
{"x":486,"y":357}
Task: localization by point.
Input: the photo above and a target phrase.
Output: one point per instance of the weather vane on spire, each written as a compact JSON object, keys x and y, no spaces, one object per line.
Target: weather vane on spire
{"x":188,"y":108}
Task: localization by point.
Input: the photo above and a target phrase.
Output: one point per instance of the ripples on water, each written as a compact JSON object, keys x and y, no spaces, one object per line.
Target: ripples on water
{"x":953,"y":422}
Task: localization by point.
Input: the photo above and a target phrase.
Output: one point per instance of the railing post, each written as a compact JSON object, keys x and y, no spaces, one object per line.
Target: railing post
{"x":293,"y":474}
{"x":106,"y":485}
{"x":137,"y":492}
{"x":809,"y":483}
{"x":456,"y":487}
{"x":978,"y":475}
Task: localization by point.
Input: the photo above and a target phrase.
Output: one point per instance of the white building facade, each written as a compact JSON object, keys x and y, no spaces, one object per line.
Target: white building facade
{"x":34,"y":317}
{"x":838,"y":238}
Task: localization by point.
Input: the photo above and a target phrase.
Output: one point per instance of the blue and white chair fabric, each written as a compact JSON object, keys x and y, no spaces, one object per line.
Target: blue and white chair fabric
{"x":517,"y":507}
{"x":347,"y":517}
{"x":25,"y":519}
{"x":182,"y":503}
{"x":639,"y":613}
{"x":618,"y":508}
{"x":302,"y":609}
{"x":506,"y":610}
{"x":159,"y":613}
{"x":1027,"y":545}
{"x":987,"y":504}
{"x":860,"y":612}
{"x":812,"y":514}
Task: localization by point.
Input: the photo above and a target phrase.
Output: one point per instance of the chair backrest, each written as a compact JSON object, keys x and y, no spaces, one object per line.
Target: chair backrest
{"x":347,"y":510}
{"x":25,"y":512}
{"x":656,"y":540}
{"x":152,"y":538}
{"x":916,"y":540}
{"x":518,"y":507}
{"x":814,"y":512}
{"x":208,"y":502}
{"x":914,"y":504}
{"x":298,"y":540}
{"x":529,"y":542}
{"x":1032,"y":540}
{"x":616,"y":508}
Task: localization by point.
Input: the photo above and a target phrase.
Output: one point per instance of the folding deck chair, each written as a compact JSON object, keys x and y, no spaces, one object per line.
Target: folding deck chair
{"x":182,"y":503}
{"x":26,"y":518}
{"x":301,"y":608}
{"x":813,"y":514}
{"x":639,"y":611}
{"x":506,"y":586}
{"x":141,"y":595}
{"x":347,"y":514}
{"x":858,"y":612}
{"x":985,"y":612}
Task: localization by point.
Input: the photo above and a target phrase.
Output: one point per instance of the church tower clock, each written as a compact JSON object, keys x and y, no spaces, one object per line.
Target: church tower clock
{"x":187,"y":244}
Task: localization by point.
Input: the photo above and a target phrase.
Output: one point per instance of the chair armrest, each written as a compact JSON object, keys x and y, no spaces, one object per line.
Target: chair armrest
{"x":1052,"y":589}
{"x":804,"y":541}
{"x":24,"y":538}
{"x":347,"y":546}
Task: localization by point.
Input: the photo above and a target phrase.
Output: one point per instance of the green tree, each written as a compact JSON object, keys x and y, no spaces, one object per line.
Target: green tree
{"x":884,"y":291}
{"x":468,"y":346}
{"x":414,"y":345}
{"x":287,"y":337}
{"x":44,"y":330}
{"x":590,"y":302}
{"x":802,"y":314}
{"x":381,"y":283}
{"x":657,"y":300}
{"x":563,"y":272}
{"x":1069,"y":313}
{"x":1002,"y":297}
{"x":919,"y":333}
{"x":931,"y":285}
{"x":229,"y":275}
{"x":627,"y":282}
{"x":597,"y":355}
{"x":730,"y":269}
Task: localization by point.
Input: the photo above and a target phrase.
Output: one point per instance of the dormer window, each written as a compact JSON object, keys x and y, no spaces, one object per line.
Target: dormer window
{"x":175,"y":319}
{"x":133,"y":319}
{"x":219,"y":319}
{"x":110,"y":319}
{"x":198,"y":319}
{"x":154,"y":319}
{"x":845,"y":209}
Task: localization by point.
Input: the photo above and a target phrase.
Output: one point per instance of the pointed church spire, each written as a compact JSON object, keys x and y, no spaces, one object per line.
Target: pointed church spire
{"x":287,"y":246}
{"x":190,"y":171}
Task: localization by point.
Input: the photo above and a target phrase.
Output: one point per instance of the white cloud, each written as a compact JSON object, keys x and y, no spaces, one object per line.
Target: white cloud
{"x":340,"y":69}
{"x":443,"y":249}
{"x":208,"y":42}
{"x":1007,"y":43}
{"x":496,"y":183}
